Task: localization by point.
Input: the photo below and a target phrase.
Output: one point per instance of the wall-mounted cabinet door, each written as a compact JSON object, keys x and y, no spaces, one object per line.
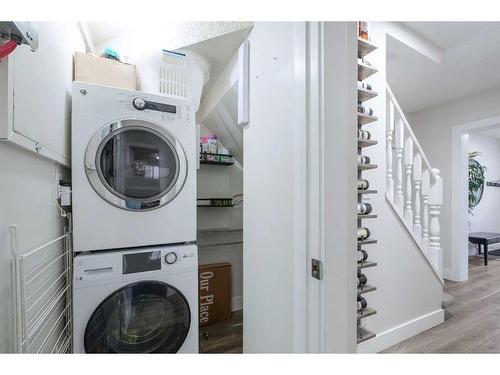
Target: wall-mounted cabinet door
{"x":37,"y":93}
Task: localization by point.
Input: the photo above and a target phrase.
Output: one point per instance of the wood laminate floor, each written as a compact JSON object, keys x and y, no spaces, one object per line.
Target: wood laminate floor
{"x":223,"y":337}
{"x":472,"y":322}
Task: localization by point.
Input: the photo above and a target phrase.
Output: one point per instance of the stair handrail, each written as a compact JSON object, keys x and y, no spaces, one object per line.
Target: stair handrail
{"x":413,"y":188}
{"x":410,"y":132}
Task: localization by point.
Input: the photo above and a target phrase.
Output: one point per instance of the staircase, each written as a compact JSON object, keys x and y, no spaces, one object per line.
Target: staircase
{"x":414,"y":189}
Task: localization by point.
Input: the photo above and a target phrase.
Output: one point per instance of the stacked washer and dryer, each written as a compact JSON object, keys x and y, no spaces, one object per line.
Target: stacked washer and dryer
{"x":135,"y":286}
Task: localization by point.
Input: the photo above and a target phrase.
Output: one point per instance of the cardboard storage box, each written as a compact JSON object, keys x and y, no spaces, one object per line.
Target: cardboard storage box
{"x":99,"y":70}
{"x":215,"y":293}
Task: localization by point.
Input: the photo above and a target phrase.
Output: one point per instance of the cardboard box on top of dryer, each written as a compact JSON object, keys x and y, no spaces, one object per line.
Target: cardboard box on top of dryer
{"x":102,"y":71}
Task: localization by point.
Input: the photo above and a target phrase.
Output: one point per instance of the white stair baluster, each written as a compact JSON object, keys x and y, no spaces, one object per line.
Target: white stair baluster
{"x":399,"y":166}
{"x":435,"y":202}
{"x":390,"y":134}
{"x":417,"y":180}
{"x":413,"y":189}
{"x":408,"y":214}
{"x":426,"y":190}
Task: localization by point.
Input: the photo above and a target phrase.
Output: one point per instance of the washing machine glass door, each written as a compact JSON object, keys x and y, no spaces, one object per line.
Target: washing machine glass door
{"x":144,"y":317}
{"x":135,"y":165}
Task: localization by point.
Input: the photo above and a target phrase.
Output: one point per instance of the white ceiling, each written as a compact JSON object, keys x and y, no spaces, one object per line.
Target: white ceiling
{"x":470,"y":63}
{"x":168,"y":35}
{"x":495,"y":133}
{"x":214,"y":42}
{"x":217,"y":52}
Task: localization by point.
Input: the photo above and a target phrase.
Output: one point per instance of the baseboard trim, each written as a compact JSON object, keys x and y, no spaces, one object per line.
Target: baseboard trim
{"x":237,"y":303}
{"x":402,"y":332}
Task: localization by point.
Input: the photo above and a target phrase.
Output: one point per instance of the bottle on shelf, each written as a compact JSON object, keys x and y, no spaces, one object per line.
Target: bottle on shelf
{"x":364,"y":208}
{"x":362,"y":280}
{"x":362,"y":159}
{"x":364,"y":85}
{"x":364,"y":134}
{"x":362,"y":304}
{"x":363,"y":233}
{"x":363,"y":184}
{"x":365,"y":110}
{"x":363,"y":30}
{"x":362,"y":256}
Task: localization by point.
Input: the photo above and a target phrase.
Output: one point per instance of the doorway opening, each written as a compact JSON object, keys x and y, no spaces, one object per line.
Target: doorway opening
{"x":474,"y":195}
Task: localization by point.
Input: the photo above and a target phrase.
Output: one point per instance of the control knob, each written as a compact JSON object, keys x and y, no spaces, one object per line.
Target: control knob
{"x":171,"y":258}
{"x":139,"y":103}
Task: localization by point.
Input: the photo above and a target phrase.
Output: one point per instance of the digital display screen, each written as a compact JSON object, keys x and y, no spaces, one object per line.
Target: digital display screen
{"x":161,"y":107}
{"x":142,"y":262}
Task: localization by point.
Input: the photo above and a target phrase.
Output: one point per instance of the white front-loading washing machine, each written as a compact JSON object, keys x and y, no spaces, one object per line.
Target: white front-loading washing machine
{"x":133,"y":158}
{"x":142,"y":300}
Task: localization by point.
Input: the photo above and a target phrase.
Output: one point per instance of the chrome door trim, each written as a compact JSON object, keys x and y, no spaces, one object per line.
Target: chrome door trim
{"x":102,"y":188}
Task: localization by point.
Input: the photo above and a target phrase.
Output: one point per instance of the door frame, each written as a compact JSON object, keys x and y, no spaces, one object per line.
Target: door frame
{"x":459,"y":270}
{"x":331,"y":201}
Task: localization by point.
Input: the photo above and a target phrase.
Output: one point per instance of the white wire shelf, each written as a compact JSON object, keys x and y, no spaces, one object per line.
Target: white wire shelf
{"x":42,"y":299}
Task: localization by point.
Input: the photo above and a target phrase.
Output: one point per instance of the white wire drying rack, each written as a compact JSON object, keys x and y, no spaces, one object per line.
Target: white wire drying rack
{"x":42,"y":297}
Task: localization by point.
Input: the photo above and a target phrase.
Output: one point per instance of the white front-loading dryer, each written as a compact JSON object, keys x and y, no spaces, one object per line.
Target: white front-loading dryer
{"x":133,"y":169}
{"x":142,"y":300}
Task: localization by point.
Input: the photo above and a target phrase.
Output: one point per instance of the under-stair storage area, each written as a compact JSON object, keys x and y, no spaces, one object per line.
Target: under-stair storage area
{"x":220,"y":246}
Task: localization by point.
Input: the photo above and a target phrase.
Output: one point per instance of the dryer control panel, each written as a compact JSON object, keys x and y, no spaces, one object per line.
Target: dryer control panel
{"x":119,"y":265}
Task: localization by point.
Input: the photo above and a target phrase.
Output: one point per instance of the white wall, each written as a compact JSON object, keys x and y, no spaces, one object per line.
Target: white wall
{"x":409,"y":295}
{"x":433,"y":128}
{"x":27,"y":199}
{"x":332,"y":218}
{"x":484,"y":217}
{"x":28,"y":181}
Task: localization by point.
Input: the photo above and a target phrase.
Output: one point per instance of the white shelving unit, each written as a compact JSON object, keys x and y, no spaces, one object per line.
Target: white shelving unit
{"x":365,"y":71}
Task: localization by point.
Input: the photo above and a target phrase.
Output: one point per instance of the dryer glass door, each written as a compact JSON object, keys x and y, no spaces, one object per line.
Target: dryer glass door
{"x":143,"y":317}
{"x":135,"y":165}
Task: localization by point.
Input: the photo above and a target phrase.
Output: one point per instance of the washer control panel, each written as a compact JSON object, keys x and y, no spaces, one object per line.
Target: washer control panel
{"x":142,"y":104}
{"x":117,"y":266}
